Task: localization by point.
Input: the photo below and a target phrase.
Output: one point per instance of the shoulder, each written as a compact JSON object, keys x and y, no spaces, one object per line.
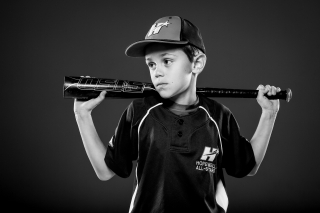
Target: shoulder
{"x":138,"y":108}
{"x":146,"y":103}
{"x":214,"y":107}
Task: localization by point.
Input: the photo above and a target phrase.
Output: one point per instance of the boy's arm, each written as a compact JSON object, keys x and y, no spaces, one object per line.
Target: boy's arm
{"x":94,"y":147}
{"x":261,"y":137}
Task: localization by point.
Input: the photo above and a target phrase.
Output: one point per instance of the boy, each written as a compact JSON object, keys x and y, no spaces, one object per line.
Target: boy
{"x":180,"y":139}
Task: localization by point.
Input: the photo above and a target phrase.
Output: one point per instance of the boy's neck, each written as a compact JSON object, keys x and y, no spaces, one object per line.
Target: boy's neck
{"x":188,"y":99}
{"x":171,"y":104}
{"x":179,"y":109}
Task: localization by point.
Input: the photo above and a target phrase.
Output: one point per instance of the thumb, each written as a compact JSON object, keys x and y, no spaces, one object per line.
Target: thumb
{"x":96,"y":101}
{"x":101,"y":96}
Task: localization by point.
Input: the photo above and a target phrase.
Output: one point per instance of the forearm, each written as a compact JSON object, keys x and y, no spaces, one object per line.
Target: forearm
{"x":261,"y":137}
{"x":94,"y":147}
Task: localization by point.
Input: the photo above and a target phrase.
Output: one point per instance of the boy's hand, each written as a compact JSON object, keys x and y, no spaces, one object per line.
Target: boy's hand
{"x":267,"y":105}
{"x":85,"y":107}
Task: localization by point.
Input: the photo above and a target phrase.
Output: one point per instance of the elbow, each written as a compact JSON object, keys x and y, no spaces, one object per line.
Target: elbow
{"x":105,"y":177}
{"x":254,"y":171}
{"x":105,"y":174}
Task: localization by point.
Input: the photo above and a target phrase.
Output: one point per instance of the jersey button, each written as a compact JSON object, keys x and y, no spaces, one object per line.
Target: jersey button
{"x":180,"y":121}
{"x":180,"y":134}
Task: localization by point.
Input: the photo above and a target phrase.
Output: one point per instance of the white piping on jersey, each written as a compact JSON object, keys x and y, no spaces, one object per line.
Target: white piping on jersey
{"x":136,"y":189}
{"x":146,"y":116}
{"x":221,"y":194}
{"x":216,"y":126}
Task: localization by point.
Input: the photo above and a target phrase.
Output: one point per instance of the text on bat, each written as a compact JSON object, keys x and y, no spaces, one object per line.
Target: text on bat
{"x":111,"y":85}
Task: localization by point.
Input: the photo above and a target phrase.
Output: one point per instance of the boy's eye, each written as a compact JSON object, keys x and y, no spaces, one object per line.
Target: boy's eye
{"x":167,"y":61}
{"x":151,"y":65}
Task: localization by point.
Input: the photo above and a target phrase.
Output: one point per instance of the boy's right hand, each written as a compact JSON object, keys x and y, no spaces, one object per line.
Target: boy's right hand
{"x":82,"y":108}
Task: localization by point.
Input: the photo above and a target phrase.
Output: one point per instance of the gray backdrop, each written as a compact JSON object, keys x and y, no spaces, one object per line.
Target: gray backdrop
{"x":43,"y":162}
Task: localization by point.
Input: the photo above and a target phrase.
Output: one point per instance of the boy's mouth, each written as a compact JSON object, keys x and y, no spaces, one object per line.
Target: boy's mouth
{"x":161,"y":84}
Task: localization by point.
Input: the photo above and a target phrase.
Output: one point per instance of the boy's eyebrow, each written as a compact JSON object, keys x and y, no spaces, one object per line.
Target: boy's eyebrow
{"x":162,"y":55}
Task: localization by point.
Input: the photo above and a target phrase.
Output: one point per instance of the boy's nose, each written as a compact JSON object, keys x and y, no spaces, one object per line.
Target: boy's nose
{"x":158,"y":72}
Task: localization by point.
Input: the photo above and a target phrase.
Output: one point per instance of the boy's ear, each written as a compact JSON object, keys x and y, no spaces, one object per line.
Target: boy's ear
{"x":199,"y":63}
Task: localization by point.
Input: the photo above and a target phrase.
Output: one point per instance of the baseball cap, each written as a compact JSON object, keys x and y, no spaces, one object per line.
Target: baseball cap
{"x":170,"y":30}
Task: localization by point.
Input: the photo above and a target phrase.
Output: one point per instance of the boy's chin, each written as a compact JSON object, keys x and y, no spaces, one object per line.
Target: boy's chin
{"x":164,"y":94}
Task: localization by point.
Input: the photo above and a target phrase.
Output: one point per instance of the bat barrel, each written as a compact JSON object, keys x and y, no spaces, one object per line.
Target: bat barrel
{"x":85,"y":88}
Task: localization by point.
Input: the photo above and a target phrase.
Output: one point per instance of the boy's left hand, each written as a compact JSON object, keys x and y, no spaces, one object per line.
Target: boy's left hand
{"x":267,"y":105}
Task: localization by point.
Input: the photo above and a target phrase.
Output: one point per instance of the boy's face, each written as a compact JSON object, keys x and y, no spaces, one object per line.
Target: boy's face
{"x":170,"y":71}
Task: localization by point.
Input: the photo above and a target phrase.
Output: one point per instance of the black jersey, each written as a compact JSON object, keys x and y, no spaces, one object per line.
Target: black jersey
{"x":179,"y":158}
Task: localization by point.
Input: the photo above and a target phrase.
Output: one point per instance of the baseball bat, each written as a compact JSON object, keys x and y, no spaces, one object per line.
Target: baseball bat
{"x":85,"y":88}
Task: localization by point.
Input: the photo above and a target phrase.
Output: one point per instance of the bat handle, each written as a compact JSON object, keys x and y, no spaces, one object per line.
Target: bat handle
{"x":286,"y":95}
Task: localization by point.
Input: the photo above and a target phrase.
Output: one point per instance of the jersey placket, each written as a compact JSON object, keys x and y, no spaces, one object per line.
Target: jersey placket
{"x":179,"y":135}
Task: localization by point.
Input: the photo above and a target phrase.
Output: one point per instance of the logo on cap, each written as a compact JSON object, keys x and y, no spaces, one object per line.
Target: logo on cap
{"x":155,"y":29}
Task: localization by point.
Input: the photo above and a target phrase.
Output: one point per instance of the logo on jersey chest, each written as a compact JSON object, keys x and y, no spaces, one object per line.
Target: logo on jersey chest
{"x":206,"y":161}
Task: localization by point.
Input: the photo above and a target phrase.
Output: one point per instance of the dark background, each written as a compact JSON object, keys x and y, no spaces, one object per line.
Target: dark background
{"x":43,"y":162}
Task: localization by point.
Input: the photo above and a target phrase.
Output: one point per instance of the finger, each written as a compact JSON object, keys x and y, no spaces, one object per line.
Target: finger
{"x":260,"y":87}
{"x":268,"y":89}
{"x":273,"y":90}
{"x":261,"y":92}
{"x":278,"y":89}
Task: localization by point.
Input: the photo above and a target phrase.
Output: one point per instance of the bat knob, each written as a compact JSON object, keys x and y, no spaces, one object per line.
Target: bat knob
{"x":289,"y":95}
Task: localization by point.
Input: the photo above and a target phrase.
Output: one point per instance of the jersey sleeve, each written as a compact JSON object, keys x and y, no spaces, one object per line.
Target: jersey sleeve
{"x":238,"y":156}
{"x":122,"y":149}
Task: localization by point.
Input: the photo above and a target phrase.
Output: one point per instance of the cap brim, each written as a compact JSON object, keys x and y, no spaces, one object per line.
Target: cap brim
{"x":137,"y":49}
